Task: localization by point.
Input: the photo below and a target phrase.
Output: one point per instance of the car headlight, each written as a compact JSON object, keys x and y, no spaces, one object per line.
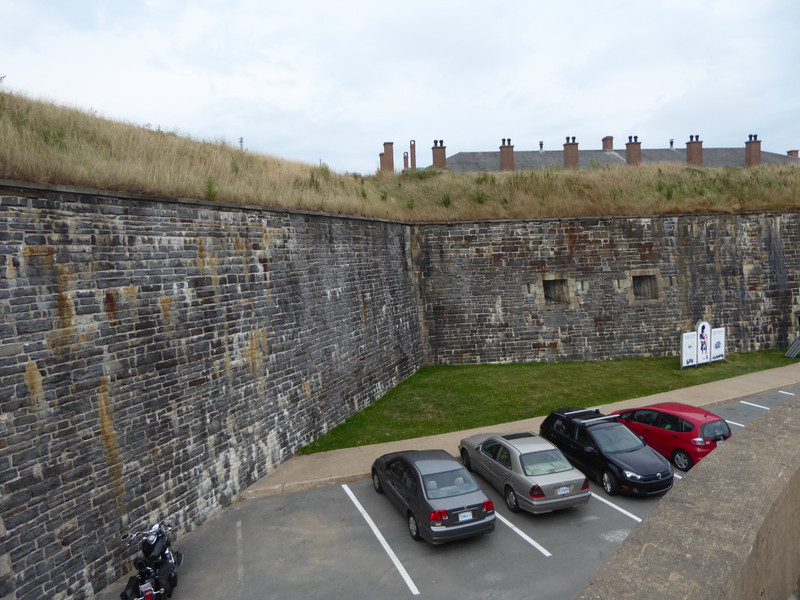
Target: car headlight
{"x":632,"y":475}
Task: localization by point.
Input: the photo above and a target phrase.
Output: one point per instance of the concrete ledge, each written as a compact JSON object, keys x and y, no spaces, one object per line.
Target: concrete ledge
{"x":730,"y":530}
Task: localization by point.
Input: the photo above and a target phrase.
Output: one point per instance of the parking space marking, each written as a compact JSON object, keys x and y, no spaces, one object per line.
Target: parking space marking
{"x":239,"y":553}
{"x":787,"y":393}
{"x":619,"y":508}
{"x":522,"y":534}
{"x":734,"y":423}
{"x":397,"y":564}
{"x":756,"y":405}
{"x":676,"y":476}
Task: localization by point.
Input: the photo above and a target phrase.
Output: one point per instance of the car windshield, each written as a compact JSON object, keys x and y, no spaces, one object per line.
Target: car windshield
{"x":544,"y":463}
{"x":616,"y":438}
{"x":715,"y":429}
{"x":449,"y":483}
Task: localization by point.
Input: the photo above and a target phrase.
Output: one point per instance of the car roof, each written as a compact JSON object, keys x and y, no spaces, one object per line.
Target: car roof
{"x":430,"y":461}
{"x":686,"y":411}
{"x":526,"y":441}
{"x":585,"y":416}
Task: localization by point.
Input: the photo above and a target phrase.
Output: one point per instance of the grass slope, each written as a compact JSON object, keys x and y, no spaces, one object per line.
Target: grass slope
{"x":47,"y":143}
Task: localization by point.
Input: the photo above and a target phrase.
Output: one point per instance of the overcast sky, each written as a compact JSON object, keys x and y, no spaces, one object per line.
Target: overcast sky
{"x":332,"y":81}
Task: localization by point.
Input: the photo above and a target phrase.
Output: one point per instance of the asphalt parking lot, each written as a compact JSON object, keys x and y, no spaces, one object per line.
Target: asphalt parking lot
{"x":346,"y":541}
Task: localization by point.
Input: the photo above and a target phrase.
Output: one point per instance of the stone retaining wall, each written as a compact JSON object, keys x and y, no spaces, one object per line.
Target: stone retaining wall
{"x":598,"y":288}
{"x":728,"y":537}
{"x":158,"y":357}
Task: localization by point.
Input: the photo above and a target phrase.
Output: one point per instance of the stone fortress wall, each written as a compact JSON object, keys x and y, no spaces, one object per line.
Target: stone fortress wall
{"x":157,"y":356}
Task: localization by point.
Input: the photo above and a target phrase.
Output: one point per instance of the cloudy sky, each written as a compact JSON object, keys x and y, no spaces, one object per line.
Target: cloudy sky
{"x":332,"y":81}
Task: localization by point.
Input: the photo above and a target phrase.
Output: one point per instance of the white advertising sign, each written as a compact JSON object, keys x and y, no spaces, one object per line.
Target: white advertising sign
{"x":703,"y":342}
{"x":718,"y":344}
{"x":689,"y":349}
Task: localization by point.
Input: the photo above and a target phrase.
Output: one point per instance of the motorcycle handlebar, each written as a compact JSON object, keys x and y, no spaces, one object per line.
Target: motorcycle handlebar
{"x":163,"y":526}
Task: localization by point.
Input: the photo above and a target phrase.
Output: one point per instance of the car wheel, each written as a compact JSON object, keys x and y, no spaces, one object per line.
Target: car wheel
{"x":376,"y":482}
{"x":465,"y":460}
{"x":682,"y":460}
{"x":511,"y":499}
{"x":413,"y":527}
{"x":610,"y":483}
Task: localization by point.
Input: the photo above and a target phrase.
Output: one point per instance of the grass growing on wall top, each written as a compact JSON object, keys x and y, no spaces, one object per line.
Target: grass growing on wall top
{"x":51,"y":144}
{"x":441,"y":399}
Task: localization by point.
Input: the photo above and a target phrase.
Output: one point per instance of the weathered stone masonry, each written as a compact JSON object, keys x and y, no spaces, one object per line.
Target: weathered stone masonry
{"x":157,"y":356}
{"x":585,"y":289}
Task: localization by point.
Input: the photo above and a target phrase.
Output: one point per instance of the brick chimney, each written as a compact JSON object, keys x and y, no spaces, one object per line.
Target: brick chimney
{"x":413,"y":155}
{"x":405,"y":161}
{"x":571,"y":154}
{"x":608,"y":143}
{"x":439,"y":155}
{"x":694,"y":151}
{"x":387,"y":158}
{"x":752,"y":151}
{"x":794,"y":153}
{"x":633,"y":151}
{"x":506,"y":156}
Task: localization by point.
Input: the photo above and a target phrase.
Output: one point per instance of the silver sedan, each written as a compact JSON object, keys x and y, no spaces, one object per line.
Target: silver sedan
{"x":530,"y":472}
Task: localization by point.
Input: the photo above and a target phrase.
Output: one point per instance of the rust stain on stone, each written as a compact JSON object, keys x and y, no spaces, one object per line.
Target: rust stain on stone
{"x":166,"y":307}
{"x":110,"y":441}
{"x":35,"y":387}
{"x":258,"y":343}
{"x":111,"y":305}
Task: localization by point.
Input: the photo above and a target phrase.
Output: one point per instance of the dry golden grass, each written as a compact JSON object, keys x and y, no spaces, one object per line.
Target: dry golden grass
{"x":46,"y":143}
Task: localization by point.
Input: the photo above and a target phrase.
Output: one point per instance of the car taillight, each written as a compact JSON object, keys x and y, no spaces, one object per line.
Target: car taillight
{"x":438,"y":515}
{"x":700,"y":442}
{"x":488,"y":506}
{"x":585,"y":485}
{"x":536,"y":492}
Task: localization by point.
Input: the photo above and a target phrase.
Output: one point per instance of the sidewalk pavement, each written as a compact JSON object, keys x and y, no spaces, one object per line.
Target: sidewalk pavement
{"x":307,"y":471}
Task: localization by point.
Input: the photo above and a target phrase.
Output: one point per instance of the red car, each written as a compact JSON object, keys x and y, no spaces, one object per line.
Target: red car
{"x":680,"y":432}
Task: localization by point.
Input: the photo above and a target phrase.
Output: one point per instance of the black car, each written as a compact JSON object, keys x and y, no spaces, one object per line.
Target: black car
{"x":608,"y":452}
{"x":438,"y":497}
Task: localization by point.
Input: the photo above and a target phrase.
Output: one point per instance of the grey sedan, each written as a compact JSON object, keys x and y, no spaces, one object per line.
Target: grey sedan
{"x":438,"y":497}
{"x":530,"y":472}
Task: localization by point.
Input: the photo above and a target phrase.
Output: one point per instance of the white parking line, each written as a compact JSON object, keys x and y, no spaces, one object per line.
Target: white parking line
{"x":522,"y":534}
{"x":677,"y":476}
{"x":398,"y":565}
{"x":239,"y":553}
{"x":619,"y":508}
{"x":734,"y":423}
{"x":756,"y":405}
{"x":787,"y":393}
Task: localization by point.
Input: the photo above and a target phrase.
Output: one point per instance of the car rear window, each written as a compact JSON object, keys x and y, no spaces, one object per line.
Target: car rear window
{"x":449,"y":483}
{"x":544,"y":463}
{"x":715,"y":429}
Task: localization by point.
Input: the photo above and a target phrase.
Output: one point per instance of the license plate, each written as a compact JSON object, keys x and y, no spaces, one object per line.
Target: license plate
{"x":465,"y":516}
{"x":563,"y":491}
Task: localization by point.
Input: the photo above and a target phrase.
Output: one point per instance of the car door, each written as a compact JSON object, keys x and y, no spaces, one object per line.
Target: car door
{"x":561,"y":433}
{"x":501,"y":467}
{"x":397,"y":474}
{"x":485,"y":459}
{"x":587,"y":454}
{"x":664,"y":437}
{"x":643,"y":423}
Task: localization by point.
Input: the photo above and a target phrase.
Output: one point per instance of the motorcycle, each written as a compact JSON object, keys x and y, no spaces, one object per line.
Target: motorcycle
{"x":157,"y":566}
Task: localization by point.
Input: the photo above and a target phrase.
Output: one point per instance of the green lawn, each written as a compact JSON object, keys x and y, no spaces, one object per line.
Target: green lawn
{"x":451,"y":398}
